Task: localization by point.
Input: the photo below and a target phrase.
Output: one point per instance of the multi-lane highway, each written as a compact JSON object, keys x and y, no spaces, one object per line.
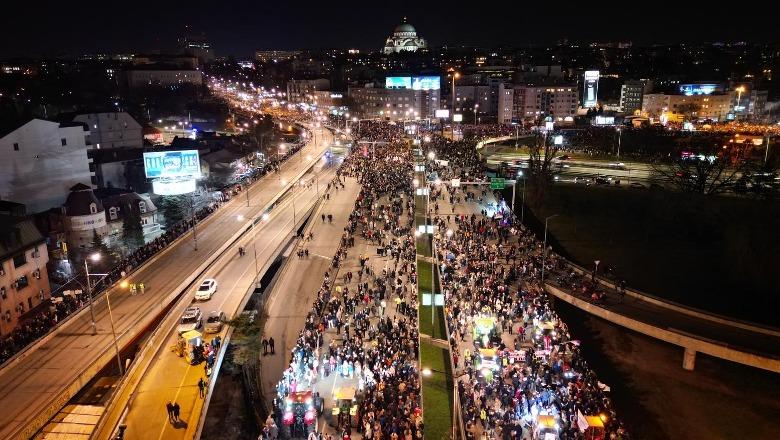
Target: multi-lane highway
{"x":171,"y":378}
{"x":35,"y":385}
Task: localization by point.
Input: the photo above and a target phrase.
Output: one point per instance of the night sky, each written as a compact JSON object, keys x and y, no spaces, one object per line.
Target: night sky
{"x":49,"y":28}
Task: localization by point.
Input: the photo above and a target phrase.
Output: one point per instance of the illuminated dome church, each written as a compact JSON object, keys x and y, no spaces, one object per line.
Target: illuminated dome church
{"x":404,"y":39}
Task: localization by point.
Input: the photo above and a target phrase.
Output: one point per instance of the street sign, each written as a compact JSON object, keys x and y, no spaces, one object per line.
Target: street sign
{"x":455,"y":183}
{"x":497,"y":183}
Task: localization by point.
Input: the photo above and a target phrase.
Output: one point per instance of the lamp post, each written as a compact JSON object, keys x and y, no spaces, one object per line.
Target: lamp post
{"x":93,"y":257}
{"x":455,"y":75}
{"x":96,"y":257}
{"x":740,"y":89}
{"x":476,"y":106}
{"x":620,"y":135}
{"x":544,"y":250}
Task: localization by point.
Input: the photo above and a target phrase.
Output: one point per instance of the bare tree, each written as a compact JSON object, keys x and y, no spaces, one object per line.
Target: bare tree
{"x":706,"y":172}
{"x":541,"y":154}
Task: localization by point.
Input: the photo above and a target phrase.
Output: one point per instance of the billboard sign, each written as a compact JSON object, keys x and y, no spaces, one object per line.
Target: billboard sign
{"x":698,"y":89}
{"x":398,"y":82}
{"x":426,"y":83}
{"x":173,"y":187}
{"x":184,"y":163}
{"x":457,"y":117}
{"x":590,"y":95}
{"x":442,"y":113}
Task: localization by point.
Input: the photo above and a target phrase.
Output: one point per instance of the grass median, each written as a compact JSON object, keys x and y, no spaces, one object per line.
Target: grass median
{"x":437,"y":392}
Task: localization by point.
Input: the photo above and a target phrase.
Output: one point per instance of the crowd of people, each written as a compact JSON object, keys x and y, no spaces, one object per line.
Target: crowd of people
{"x":351,"y":330}
{"x":514,"y":356}
{"x":41,"y":321}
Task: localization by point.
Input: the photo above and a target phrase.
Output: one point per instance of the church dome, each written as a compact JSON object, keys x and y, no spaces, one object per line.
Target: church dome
{"x":405,"y":28}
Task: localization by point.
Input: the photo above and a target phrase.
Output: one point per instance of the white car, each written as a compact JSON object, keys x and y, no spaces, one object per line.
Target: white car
{"x":191,"y":319}
{"x":206,"y":290}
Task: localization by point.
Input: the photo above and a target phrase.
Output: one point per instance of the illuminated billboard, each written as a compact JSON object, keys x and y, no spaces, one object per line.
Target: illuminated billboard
{"x":173,"y":187}
{"x":590,"y":95}
{"x":185,"y":163}
{"x":413,"y":82}
{"x":426,"y":83}
{"x":398,"y":82}
{"x":698,"y":89}
{"x":457,"y":117}
{"x":442,"y":113}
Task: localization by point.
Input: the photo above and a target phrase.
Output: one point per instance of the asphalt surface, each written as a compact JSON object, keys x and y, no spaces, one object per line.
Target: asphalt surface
{"x":37,"y":384}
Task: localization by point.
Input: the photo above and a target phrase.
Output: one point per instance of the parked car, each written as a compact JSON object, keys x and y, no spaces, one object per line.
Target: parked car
{"x":206,"y":290}
{"x":214,"y":322}
{"x":637,"y":185}
{"x":191,"y":319}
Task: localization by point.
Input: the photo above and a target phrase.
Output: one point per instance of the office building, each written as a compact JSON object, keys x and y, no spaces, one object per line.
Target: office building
{"x":402,"y":98}
{"x":631,"y":93}
{"x":112,"y":129}
{"x":672,"y":107}
{"x":300,"y":90}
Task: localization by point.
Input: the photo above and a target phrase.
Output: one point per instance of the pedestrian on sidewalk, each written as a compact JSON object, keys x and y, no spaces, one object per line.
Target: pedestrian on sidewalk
{"x":265,"y":347}
{"x":201,"y":387}
{"x":271,"y":344}
{"x":323,"y":218}
{"x":169,"y":408}
{"x":176,"y":410}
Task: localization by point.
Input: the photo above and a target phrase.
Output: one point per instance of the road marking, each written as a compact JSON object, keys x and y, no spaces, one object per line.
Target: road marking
{"x":176,"y":397}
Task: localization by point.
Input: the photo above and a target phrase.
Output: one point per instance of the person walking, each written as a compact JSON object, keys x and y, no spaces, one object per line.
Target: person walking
{"x":169,"y":408}
{"x":265,"y":347}
{"x":201,"y":387}
{"x":271,"y":344}
{"x":176,"y":409}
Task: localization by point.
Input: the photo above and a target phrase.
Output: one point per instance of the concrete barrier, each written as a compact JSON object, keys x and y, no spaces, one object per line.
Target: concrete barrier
{"x":691,"y":311}
{"x":690,"y":343}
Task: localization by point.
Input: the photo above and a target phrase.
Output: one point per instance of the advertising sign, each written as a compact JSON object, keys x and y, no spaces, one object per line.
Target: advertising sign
{"x":590,"y":95}
{"x":442,"y":113}
{"x":398,"y":82}
{"x":173,"y":187}
{"x":426,"y":83}
{"x":457,"y":117}
{"x":185,"y":163}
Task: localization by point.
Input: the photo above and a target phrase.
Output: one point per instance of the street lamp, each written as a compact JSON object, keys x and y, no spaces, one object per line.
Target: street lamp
{"x":95,"y":258}
{"x":739,"y":89}
{"x":476,"y":106}
{"x":455,"y":76}
{"x":544,"y":250}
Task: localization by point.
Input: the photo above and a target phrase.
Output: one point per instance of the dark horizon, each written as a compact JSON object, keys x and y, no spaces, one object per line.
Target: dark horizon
{"x":62,"y":29}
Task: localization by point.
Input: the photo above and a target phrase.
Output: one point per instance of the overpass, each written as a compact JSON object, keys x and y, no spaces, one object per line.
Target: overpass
{"x":37,"y":383}
{"x":694,"y":330}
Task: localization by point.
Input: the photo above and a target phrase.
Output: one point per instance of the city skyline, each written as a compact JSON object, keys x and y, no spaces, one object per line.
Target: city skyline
{"x":241,"y":30}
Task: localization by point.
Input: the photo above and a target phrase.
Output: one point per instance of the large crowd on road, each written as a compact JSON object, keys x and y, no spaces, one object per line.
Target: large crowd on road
{"x":490,"y":271}
{"x":368,"y":341}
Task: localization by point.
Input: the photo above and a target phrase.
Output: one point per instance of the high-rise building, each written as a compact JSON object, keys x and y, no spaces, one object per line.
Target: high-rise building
{"x":631,"y":94}
{"x":112,"y":129}
{"x":402,"y":98}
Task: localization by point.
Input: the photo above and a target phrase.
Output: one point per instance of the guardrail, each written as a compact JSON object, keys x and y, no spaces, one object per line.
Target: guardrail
{"x":691,"y":344}
{"x":681,"y":308}
{"x":154,"y":344}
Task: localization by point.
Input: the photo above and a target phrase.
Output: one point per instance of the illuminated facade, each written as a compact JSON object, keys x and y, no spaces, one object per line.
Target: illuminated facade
{"x":404,"y":39}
